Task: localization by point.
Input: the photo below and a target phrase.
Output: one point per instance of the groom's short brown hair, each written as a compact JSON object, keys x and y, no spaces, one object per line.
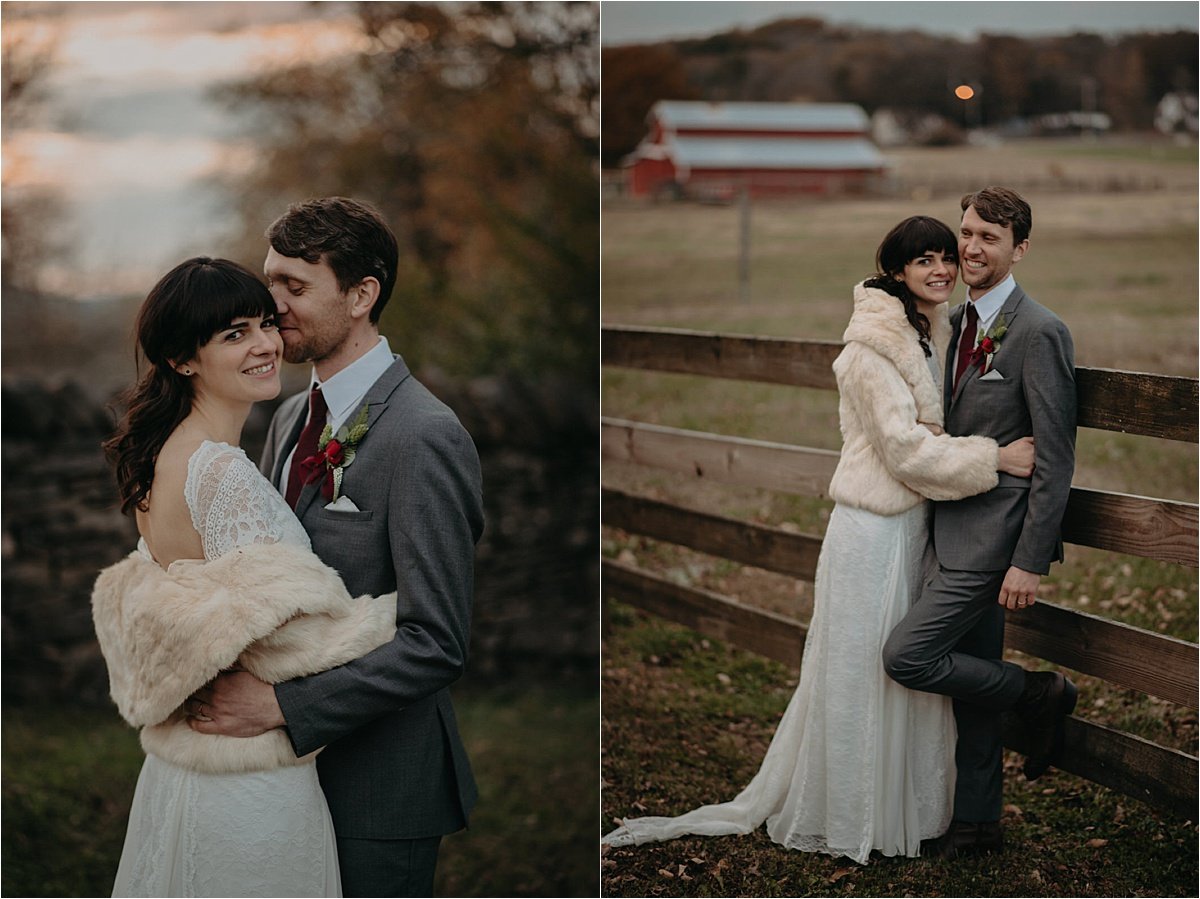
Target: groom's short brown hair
{"x":1004,"y":207}
{"x":352,"y":237}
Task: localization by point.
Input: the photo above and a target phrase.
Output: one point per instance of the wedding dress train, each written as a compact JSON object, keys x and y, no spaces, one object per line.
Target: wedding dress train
{"x":858,"y":763}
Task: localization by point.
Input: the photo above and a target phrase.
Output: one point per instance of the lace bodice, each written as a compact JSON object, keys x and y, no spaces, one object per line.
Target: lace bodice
{"x":232,"y":504}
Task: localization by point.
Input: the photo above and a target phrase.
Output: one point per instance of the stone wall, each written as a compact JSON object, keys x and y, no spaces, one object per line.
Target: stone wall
{"x":537,"y":568}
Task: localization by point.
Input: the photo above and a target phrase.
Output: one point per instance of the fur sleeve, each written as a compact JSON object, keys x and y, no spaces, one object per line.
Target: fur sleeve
{"x":164,"y":634}
{"x":937,"y":467}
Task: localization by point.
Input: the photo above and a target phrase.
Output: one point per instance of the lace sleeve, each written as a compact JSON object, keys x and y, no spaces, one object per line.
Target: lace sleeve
{"x":233,"y":505}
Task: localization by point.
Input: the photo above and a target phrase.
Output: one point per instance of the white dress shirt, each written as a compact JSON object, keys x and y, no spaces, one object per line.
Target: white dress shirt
{"x":344,"y":392}
{"x":988,"y":307}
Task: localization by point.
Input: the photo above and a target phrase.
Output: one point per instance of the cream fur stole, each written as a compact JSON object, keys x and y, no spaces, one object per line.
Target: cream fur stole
{"x":890,"y":462}
{"x":276,"y":610}
{"x":878,"y":322}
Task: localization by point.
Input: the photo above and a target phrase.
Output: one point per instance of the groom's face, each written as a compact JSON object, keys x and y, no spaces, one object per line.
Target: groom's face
{"x":986,"y":252}
{"x":314,"y":315}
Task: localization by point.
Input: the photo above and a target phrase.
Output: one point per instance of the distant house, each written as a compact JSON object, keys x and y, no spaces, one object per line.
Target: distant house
{"x":716,"y":149}
{"x":1056,"y":123}
{"x":1178,"y":113}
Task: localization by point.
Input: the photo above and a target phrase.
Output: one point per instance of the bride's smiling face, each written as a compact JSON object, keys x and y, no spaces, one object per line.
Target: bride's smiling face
{"x":240,"y":362}
{"x":930,"y":277}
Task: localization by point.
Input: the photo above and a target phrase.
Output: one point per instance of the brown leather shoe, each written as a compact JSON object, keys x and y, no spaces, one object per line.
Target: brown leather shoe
{"x":965,"y":838}
{"x":1047,"y":700}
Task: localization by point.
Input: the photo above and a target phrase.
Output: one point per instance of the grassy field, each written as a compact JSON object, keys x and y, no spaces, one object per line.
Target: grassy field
{"x":69,"y":775}
{"x":687,"y":721}
{"x":1121,"y":270}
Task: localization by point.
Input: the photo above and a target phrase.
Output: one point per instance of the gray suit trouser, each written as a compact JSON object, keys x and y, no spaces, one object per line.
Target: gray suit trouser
{"x":951,"y":642}
{"x":387,"y":867}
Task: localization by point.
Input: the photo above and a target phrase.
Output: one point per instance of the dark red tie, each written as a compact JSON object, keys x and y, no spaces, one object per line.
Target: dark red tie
{"x":307,"y":444}
{"x":966,"y":343}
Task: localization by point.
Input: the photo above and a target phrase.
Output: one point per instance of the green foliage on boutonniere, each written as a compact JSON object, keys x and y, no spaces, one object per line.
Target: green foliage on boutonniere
{"x":997,"y":331}
{"x":336,"y":452}
{"x":990,"y":342}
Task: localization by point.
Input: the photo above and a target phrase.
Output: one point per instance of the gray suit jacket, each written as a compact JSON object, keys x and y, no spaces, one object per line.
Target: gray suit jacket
{"x":394,"y":766}
{"x":1018,"y":522}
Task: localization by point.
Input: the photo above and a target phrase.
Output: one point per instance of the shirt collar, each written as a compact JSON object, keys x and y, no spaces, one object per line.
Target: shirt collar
{"x":989,"y":304}
{"x":344,"y":390}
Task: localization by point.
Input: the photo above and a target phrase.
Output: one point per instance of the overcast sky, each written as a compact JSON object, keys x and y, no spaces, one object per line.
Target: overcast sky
{"x":634,"y":21}
{"x":129,"y":135}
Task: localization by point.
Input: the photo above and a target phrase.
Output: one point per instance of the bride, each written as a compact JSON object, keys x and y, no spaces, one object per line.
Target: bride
{"x":223,"y":576}
{"x":858,"y":763}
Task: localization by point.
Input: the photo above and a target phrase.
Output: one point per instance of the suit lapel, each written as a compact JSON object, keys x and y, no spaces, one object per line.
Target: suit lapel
{"x":1009,"y":312}
{"x":956,"y":315}
{"x":377,"y":398}
{"x":291,"y":434}
{"x":971,"y":373}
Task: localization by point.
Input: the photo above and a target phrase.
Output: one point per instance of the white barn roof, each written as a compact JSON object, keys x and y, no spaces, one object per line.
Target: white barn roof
{"x":773,"y":153}
{"x":684,"y":114}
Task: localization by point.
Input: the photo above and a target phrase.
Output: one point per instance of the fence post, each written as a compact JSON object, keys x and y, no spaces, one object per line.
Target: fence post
{"x":744,"y":244}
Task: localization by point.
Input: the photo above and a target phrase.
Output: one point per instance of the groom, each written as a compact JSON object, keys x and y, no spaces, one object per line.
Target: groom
{"x":407,"y":517}
{"x":1010,"y":373}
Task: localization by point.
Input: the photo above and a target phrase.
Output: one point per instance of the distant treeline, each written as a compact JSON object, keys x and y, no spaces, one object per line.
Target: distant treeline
{"x":807,"y":59}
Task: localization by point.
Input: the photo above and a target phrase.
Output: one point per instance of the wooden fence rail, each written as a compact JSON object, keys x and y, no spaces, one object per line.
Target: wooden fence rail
{"x":1162,"y":777}
{"x":1132,"y":402}
{"x":1135,"y":403}
{"x":1136,"y":525}
{"x":1128,"y":656}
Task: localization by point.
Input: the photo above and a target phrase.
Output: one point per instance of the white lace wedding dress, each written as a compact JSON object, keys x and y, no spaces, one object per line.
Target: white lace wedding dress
{"x":857,"y":762}
{"x":265,"y":833}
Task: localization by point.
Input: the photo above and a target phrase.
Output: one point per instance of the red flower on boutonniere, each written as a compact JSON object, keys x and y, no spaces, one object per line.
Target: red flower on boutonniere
{"x":989,"y":344}
{"x":334,"y":454}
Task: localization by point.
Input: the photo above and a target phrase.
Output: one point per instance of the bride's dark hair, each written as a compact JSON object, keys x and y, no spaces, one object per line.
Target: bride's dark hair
{"x":913,"y":237}
{"x":185,"y":309}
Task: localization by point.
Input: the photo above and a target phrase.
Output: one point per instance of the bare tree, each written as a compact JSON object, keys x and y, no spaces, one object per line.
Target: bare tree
{"x":475,"y":128}
{"x":28,"y":213}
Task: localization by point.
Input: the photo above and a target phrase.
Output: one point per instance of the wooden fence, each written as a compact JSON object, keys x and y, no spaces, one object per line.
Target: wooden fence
{"x":1135,"y":403}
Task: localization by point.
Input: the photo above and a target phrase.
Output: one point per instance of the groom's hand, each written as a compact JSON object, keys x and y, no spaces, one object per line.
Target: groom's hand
{"x":1019,"y":590}
{"x":235,"y":704}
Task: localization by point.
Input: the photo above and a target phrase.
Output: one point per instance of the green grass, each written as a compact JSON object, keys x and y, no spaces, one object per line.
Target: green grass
{"x":534,"y":751}
{"x":68,"y":782}
{"x":678,"y":735}
{"x":1167,"y":154}
{"x":69,"y":776}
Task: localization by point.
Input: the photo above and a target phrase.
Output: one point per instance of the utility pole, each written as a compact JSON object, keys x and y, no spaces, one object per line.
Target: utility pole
{"x":744,"y":243}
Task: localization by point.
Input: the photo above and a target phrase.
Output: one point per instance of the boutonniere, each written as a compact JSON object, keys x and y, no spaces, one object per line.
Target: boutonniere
{"x":334,"y":454}
{"x":990,"y":343}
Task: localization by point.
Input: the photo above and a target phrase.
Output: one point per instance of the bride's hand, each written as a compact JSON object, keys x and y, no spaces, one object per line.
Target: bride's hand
{"x":935,"y":430}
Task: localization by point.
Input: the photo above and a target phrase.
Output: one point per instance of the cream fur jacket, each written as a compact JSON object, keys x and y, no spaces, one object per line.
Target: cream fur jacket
{"x":274,"y":609}
{"x":889,"y":462}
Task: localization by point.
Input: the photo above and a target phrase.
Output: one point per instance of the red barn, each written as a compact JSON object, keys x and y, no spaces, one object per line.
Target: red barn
{"x":715,"y":149}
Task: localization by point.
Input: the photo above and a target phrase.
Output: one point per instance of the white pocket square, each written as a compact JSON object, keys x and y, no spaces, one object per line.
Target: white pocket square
{"x":342,"y":504}
{"x":993,"y":375}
